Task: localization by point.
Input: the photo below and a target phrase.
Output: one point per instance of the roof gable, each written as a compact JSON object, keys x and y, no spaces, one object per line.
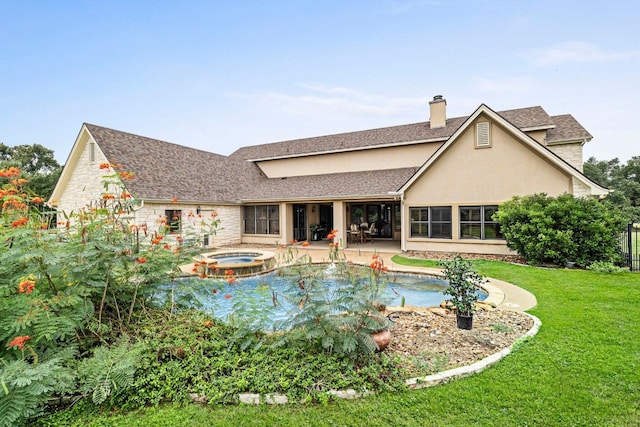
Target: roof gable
{"x":518,"y":134}
{"x":165,"y":170}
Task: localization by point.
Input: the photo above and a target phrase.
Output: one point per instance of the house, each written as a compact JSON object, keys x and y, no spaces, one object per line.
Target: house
{"x":428,"y":186}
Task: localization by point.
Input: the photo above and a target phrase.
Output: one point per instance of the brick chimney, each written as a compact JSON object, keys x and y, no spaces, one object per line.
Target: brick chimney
{"x":438,"y":112}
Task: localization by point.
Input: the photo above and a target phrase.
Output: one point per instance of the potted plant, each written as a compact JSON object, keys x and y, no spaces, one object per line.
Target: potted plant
{"x":464,"y":282}
{"x":314,"y":232}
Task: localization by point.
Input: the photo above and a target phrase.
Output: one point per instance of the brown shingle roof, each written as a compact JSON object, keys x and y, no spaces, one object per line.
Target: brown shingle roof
{"x":567,"y":129}
{"x":164,"y":170}
{"x":523,"y":118}
{"x":336,"y":185}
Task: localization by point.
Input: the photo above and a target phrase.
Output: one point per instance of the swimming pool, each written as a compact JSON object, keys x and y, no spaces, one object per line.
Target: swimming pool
{"x":272,"y":295}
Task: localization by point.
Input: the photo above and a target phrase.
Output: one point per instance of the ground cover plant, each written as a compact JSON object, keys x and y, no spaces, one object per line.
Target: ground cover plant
{"x":580,"y":369}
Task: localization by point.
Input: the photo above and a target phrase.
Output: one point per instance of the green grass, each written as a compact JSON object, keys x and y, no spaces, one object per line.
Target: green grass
{"x":582,"y":369}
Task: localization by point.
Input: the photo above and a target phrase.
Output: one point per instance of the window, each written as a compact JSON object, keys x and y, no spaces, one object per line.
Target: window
{"x":482,"y":135}
{"x":174,"y":219}
{"x":262,"y":219}
{"x":476,"y":222}
{"x":431,"y":222}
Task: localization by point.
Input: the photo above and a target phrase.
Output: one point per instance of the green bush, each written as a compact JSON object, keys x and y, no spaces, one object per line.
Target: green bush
{"x":563,"y":229}
{"x":606,"y":267}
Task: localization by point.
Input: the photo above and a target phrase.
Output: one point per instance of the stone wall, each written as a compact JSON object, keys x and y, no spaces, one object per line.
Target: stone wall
{"x":227,"y":233}
{"x":438,"y":256}
{"x":571,"y":153}
{"x":85,"y":184}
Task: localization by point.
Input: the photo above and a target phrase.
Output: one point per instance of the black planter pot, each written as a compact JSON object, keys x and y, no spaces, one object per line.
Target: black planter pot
{"x":464,"y":322}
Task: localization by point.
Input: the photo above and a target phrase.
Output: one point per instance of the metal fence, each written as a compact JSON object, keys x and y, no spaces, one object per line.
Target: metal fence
{"x":630,"y":242}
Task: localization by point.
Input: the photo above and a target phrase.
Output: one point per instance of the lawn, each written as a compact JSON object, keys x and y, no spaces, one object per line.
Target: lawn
{"x":582,"y":369}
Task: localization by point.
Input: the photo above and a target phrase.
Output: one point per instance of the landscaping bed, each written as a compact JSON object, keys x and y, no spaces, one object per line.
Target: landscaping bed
{"x":429,"y":338}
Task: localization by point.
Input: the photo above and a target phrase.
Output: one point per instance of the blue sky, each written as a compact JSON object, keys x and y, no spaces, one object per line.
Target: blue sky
{"x":220,"y":75}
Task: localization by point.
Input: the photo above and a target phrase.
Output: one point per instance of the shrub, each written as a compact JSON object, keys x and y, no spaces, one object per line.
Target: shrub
{"x":605,"y":267}
{"x":558,"y":230}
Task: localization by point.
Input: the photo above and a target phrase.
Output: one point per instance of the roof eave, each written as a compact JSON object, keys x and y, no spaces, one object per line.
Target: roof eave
{"x":311,"y":199}
{"x":535,"y":128}
{"x":570,"y":141}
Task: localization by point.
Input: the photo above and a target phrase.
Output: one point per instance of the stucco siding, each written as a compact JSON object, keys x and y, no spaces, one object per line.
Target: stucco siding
{"x":464,"y":175}
{"x":354,"y":161}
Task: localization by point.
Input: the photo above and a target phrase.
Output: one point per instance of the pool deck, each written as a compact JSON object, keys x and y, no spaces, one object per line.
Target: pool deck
{"x":502,"y":295}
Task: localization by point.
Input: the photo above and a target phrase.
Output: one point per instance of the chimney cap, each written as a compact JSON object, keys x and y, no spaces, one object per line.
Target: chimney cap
{"x":438,"y":98}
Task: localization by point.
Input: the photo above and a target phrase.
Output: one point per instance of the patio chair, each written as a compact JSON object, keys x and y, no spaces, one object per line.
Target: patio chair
{"x":354,"y":233}
{"x":369,"y":232}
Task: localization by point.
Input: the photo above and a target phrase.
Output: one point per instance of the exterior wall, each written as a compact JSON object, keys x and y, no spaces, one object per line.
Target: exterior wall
{"x":286,"y":229}
{"x":571,"y":153}
{"x":469,"y":176}
{"x":580,"y":189}
{"x":85,"y":183}
{"x":228,"y":232}
{"x":538,"y":135}
{"x":354,"y":161}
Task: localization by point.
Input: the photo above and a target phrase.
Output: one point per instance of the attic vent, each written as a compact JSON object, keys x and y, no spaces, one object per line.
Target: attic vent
{"x":92,"y":152}
{"x":482,"y":135}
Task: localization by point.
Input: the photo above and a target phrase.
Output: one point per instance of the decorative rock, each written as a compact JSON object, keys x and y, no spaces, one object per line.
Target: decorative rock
{"x":198,"y":398}
{"x":276,"y":399}
{"x":485,"y":306}
{"x":438,"y":311}
{"x":255,"y":399}
{"x":349,"y":393}
{"x":249,"y":398}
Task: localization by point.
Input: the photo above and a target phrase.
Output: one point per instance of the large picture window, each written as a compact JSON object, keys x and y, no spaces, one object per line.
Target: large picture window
{"x":476,"y":222}
{"x":431,"y":222}
{"x":262,"y":219}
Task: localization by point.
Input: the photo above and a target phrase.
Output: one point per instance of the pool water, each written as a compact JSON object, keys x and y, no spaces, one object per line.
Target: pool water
{"x":238,"y":259}
{"x":260,"y":292}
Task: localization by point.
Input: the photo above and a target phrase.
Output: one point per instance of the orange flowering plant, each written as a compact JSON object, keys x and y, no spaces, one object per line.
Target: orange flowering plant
{"x":335,"y":306}
{"x":70,"y":283}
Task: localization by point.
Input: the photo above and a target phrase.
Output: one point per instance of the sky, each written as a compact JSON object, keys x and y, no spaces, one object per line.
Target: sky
{"x":220,"y":75}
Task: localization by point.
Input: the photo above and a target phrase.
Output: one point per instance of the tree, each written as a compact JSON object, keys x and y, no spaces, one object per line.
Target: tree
{"x":37,"y":164}
{"x":623,"y":179}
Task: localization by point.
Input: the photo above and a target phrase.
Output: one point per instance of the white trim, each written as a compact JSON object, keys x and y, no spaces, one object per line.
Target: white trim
{"x":534,"y":128}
